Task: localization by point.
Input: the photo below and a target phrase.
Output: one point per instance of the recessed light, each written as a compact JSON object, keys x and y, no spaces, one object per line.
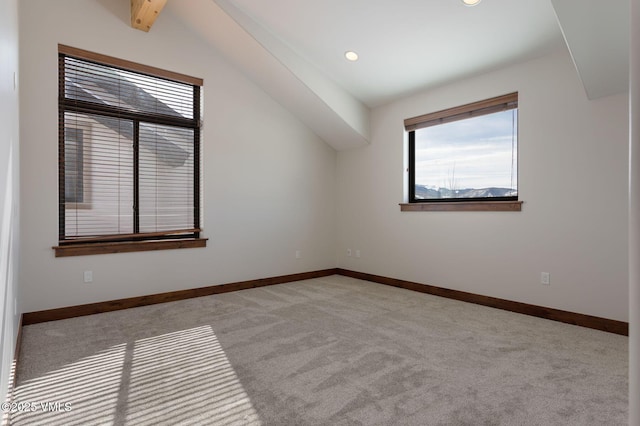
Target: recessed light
{"x":470,"y":2}
{"x":351,"y":55}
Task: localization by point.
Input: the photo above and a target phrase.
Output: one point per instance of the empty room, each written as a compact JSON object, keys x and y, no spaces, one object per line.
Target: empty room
{"x":291,"y":212}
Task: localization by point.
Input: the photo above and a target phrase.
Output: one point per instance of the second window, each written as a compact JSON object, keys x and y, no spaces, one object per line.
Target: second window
{"x":467,"y":153}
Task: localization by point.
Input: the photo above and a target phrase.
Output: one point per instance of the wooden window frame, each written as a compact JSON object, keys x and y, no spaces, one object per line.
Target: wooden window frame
{"x":484,"y":107}
{"x":139,"y":241}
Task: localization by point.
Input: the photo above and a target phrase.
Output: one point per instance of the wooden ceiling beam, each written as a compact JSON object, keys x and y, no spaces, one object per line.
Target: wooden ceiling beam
{"x":145,"y":12}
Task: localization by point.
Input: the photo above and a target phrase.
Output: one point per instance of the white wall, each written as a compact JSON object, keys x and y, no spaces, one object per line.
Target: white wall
{"x":572,"y":179}
{"x":269,"y":182}
{"x":9,"y":188}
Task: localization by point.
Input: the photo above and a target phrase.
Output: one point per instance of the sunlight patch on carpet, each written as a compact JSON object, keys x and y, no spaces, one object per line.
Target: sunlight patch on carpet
{"x":173,"y":378}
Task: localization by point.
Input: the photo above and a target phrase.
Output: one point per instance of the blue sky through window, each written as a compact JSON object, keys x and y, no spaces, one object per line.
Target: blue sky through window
{"x":478,"y":152}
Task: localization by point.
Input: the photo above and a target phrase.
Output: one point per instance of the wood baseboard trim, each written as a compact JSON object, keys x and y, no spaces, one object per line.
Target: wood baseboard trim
{"x":133,"y":302}
{"x":597,"y":323}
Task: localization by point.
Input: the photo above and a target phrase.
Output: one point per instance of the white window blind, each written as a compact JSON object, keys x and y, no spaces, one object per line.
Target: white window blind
{"x":129,"y":153}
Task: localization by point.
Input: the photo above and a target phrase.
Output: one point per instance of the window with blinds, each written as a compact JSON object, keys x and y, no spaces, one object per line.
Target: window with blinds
{"x":466,"y":153}
{"x":129,"y":151}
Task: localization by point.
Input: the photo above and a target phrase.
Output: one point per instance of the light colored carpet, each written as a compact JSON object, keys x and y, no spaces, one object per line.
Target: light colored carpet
{"x":327,"y":351}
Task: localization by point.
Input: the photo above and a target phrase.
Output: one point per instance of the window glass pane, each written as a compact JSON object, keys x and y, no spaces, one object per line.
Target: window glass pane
{"x":471,"y":158}
{"x":105,"y":85}
{"x":166,"y":178}
{"x":108,"y":177}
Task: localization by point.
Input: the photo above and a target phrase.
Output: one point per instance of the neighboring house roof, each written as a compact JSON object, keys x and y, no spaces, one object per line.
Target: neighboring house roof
{"x":107,"y":92}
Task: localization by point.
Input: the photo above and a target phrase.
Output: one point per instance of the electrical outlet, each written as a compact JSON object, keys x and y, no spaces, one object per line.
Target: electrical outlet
{"x":349,"y":252}
{"x":358,"y":254}
{"x":88,"y":276}
{"x":298,"y":254}
{"x":545,"y":278}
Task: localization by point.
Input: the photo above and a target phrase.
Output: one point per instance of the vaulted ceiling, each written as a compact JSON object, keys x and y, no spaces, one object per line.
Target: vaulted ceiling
{"x":294,"y":49}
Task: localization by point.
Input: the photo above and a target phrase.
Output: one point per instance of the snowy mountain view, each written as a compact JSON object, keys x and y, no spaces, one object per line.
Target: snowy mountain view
{"x":423,"y":192}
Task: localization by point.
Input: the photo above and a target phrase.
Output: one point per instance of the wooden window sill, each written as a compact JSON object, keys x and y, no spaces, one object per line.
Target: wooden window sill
{"x":463,"y":206}
{"x":127,"y":247}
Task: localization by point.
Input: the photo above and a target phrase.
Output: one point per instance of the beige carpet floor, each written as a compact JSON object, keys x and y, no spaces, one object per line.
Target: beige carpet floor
{"x":327,"y":351}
